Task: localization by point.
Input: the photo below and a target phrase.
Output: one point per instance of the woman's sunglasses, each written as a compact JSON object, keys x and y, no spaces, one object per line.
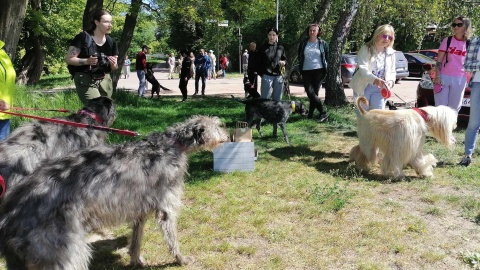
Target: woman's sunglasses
{"x":387,"y":37}
{"x":457,"y":24}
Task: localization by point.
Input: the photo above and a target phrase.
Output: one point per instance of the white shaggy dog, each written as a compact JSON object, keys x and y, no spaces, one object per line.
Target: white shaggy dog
{"x":398,"y":137}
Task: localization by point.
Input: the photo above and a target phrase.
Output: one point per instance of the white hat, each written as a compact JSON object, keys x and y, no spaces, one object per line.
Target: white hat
{"x":211,"y":51}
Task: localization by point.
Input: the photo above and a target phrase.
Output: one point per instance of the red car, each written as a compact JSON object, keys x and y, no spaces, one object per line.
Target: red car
{"x":425,"y":94}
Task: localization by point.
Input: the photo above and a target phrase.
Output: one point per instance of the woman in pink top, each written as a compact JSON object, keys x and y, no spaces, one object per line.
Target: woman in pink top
{"x":451,"y":75}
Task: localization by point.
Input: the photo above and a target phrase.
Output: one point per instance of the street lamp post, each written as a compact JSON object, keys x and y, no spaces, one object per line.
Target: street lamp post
{"x":278,"y":4}
{"x":239,"y":51}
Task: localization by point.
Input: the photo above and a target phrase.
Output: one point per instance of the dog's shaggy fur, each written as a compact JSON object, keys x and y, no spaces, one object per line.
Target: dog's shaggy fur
{"x":44,"y":222}
{"x":397,"y":137}
{"x":274,"y":112}
{"x":35,"y":141}
{"x":155,"y":84}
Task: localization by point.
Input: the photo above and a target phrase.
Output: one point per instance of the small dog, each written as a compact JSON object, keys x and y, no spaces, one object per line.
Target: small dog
{"x":397,"y":137}
{"x":155,"y":84}
{"x":274,"y":112}
{"x":249,"y":88}
{"x":35,"y":141}
{"x":44,"y":222}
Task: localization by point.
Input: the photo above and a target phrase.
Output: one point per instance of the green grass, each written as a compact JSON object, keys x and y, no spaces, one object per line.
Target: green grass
{"x":305,"y":206}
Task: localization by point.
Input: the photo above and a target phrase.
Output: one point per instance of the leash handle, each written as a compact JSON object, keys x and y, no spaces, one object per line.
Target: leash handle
{"x":75,"y":124}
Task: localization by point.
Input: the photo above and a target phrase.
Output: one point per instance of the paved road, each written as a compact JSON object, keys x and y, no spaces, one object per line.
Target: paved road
{"x":233,"y":85}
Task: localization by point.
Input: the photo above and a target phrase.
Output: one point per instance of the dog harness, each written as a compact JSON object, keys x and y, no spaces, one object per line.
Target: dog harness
{"x":422,"y":113}
{"x":2,"y":186}
{"x":92,"y":115}
{"x":293,"y":106}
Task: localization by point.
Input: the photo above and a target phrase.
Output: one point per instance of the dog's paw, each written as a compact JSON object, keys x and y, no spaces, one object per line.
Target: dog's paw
{"x":185,"y":260}
{"x":138,"y":262}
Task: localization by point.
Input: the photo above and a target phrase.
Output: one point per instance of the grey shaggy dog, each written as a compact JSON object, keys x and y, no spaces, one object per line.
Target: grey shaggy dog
{"x":44,"y":222}
{"x":274,"y":112}
{"x":35,"y":141}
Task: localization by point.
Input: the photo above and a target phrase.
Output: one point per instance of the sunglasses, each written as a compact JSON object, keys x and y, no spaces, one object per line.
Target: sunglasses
{"x":457,"y":24}
{"x":387,"y":37}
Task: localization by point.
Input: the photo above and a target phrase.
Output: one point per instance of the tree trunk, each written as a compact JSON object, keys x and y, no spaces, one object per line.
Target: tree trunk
{"x":12,"y":13}
{"x":32,"y":62}
{"x":90,"y":7}
{"x":322,"y":13}
{"x":334,"y":91}
{"x":34,"y":58}
{"x":126,"y":38}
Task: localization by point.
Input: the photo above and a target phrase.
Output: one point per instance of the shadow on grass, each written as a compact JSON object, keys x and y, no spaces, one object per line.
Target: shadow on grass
{"x":104,"y":257}
{"x":343,"y":169}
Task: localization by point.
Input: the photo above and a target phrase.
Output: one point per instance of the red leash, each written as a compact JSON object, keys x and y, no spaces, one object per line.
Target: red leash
{"x":75,"y":124}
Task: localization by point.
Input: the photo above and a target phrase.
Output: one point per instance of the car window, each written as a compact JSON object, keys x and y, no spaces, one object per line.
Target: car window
{"x":400,"y":60}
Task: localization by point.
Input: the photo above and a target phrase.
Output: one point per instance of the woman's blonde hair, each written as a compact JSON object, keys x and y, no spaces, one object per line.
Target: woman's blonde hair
{"x":467,"y":24}
{"x":382,"y":29}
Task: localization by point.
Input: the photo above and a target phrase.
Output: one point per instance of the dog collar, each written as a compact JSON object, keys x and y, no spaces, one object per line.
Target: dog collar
{"x":422,"y":113}
{"x":293,"y":106}
{"x":92,"y":115}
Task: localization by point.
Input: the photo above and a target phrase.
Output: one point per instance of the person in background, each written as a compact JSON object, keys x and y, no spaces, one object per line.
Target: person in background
{"x":252,"y":65}
{"x":213,"y":60}
{"x":141,"y":68}
{"x":271,"y":60}
{"x":312,"y":55}
{"x":472,"y":64}
{"x":376,"y":67}
{"x":185,"y":74}
{"x":245,"y":57}
{"x":202,"y":64}
{"x":178,"y":68}
{"x":126,"y":67}
{"x":450,"y":73}
{"x":224,"y":65}
{"x":92,"y":71}
{"x":171,"y":66}
{"x":7,"y":87}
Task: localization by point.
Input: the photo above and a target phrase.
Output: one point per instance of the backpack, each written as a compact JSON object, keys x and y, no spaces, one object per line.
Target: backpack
{"x":449,"y":40}
{"x":88,"y":50}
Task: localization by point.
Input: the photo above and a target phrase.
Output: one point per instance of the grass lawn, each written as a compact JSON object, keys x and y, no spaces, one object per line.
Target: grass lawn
{"x":305,"y":206}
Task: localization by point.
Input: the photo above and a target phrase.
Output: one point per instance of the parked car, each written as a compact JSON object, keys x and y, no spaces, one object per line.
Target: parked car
{"x":401,"y":66}
{"x":432,"y":53}
{"x":425,"y":94}
{"x":416,"y":61}
{"x":348,"y":66}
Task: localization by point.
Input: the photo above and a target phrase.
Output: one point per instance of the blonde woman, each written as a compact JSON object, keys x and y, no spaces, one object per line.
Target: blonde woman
{"x":450,"y":72}
{"x":375,"y":67}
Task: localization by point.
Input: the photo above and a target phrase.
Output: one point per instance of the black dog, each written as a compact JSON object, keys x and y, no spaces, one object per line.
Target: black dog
{"x":250,"y":89}
{"x":155,"y":84}
{"x":274,"y":112}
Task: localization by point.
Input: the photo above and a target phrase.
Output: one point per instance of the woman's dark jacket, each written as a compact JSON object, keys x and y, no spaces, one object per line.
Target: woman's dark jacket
{"x":268,"y":57}
{"x":322,"y":45}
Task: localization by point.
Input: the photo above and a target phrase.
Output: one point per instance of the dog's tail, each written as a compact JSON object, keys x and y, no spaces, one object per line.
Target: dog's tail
{"x":237,"y":99}
{"x":164,"y":88}
{"x":362,"y":100}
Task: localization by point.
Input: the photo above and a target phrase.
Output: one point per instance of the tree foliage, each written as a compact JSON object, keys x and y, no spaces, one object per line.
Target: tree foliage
{"x":172,"y":25}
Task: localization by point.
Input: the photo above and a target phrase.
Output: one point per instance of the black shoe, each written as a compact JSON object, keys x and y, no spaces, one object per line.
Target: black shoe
{"x":323,"y":117}
{"x":203,"y":94}
{"x":184,"y":100}
{"x":310,"y":116}
{"x":465,"y":161}
{"x":195,"y":93}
